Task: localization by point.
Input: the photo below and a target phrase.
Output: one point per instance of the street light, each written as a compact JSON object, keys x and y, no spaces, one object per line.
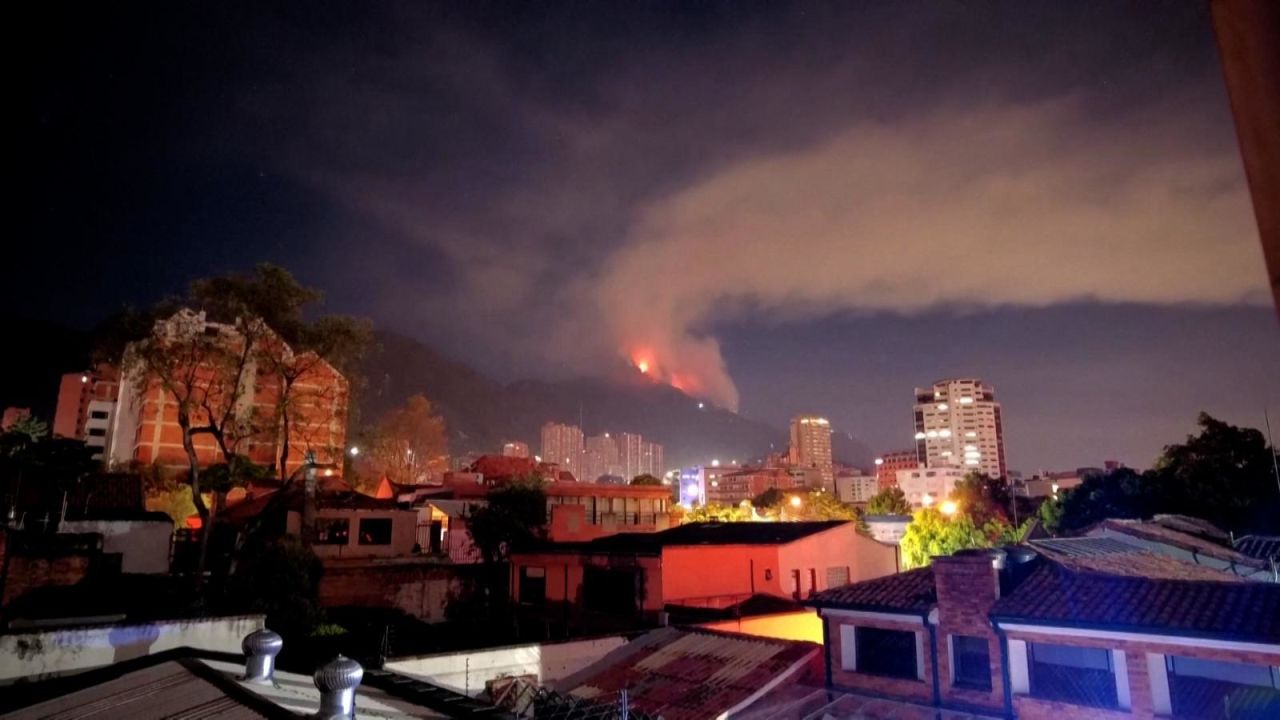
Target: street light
{"x":926,"y":500}
{"x":948,"y":508}
{"x":796,"y":501}
{"x":354,"y":451}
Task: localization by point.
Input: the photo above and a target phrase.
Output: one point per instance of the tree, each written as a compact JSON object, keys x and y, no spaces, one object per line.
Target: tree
{"x":514,"y":516}
{"x":770,"y":498}
{"x":1225,"y":474}
{"x":409,"y":443}
{"x":931,"y":534}
{"x":645,"y":479}
{"x":281,"y":578}
{"x":816,"y":505}
{"x":983,"y":498}
{"x":715,"y":512}
{"x":890,"y":501}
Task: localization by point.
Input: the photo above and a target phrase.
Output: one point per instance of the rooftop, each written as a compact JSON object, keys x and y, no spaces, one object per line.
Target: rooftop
{"x":1054,"y":594}
{"x":1114,"y":557}
{"x":910,"y":592}
{"x":705,"y":533}
{"x":188,"y":683}
{"x":683,"y":674}
{"x":1261,"y":547}
{"x":1167,"y":531}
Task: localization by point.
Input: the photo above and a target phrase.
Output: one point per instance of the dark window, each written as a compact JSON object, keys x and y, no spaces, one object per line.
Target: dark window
{"x":972,"y":662}
{"x":98,"y":414}
{"x":533,"y":585}
{"x":375,"y":531}
{"x":97,"y":432}
{"x":1215,"y":689}
{"x":1078,"y":675}
{"x":332,"y":531}
{"x":891,"y":653}
{"x":795,"y":584}
{"x":813,"y":581}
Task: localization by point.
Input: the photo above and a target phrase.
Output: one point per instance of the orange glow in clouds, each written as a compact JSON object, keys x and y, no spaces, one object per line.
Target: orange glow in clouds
{"x":644,"y":361}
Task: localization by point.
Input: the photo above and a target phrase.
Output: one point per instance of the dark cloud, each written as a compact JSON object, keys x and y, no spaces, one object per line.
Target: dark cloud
{"x":549,"y":187}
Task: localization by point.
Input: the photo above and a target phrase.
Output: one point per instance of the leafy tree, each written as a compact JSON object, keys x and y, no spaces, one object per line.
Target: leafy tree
{"x":817,"y":505}
{"x":1050,"y":514}
{"x":28,"y":429}
{"x":409,"y":442}
{"x":514,"y":516}
{"x":983,"y":497}
{"x":770,"y":498}
{"x":715,"y":512}
{"x":1121,"y":493}
{"x":931,"y":534}
{"x":1225,"y":474}
{"x":890,"y":501}
{"x":645,"y":479}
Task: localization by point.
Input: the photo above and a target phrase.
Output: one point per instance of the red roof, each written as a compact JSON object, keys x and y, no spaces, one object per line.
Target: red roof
{"x":911,"y":592}
{"x":497,"y":467}
{"x":682,"y":674}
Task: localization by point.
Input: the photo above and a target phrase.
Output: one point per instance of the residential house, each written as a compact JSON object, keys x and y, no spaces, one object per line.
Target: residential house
{"x":1016,"y":633}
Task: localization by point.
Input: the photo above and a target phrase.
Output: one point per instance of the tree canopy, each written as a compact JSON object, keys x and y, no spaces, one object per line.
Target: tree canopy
{"x":1224,"y":474}
{"x":514,"y":516}
{"x":409,"y":443}
{"x":890,"y":501}
{"x":645,"y":479}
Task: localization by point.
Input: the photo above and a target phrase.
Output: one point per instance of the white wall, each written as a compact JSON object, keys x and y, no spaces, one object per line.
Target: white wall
{"x":144,"y":544}
{"x":41,"y":654}
{"x":467,"y":672}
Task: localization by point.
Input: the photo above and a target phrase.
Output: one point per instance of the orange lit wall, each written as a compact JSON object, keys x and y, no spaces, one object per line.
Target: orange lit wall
{"x":75,"y":392}
{"x":800,"y":625}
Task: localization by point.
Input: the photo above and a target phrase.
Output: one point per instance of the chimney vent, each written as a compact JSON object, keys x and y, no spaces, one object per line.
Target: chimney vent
{"x":337,"y":682}
{"x":260,"y":649}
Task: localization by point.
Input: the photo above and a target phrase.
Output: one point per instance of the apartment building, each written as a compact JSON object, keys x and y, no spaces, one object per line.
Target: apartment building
{"x":958,"y":424}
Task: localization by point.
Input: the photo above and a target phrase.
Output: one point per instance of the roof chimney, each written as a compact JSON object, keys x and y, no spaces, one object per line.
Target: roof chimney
{"x":260,"y":650}
{"x":337,"y":682}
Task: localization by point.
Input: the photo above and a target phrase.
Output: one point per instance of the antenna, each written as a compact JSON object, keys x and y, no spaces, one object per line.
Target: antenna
{"x":1275,"y":465}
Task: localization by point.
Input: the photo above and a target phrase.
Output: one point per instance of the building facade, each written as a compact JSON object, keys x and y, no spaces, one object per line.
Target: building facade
{"x":926,"y":486}
{"x":888,"y":465}
{"x":811,"y":445}
{"x":855,"y":487}
{"x":76,"y":391}
{"x":1018,"y":635}
{"x":958,"y":424}
{"x":600,"y":458}
{"x":563,"y":444}
{"x":144,"y":425}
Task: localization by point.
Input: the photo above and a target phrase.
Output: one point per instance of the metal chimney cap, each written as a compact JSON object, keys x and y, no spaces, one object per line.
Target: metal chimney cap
{"x":260,"y":643}
{"x":340,"y":673}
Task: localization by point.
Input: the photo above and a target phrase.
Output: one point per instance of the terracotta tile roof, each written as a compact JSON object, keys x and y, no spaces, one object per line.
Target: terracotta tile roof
{"x":911,"y":592}
{"x":1054,"y":594}
{"x":1114,"y":557}
{"x":682,"y":674}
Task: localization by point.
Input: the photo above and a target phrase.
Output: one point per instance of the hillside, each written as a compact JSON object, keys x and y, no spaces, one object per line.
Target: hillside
{"x":482,"y":413}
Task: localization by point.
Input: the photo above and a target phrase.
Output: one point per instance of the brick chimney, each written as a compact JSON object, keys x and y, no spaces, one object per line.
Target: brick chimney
{"x":968,"y":584}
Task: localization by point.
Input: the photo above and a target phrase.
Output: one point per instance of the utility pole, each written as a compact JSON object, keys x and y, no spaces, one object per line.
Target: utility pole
{"x":1275,"y":465}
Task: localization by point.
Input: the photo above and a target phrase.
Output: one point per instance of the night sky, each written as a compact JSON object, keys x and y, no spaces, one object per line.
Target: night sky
{"x":780,"y":207}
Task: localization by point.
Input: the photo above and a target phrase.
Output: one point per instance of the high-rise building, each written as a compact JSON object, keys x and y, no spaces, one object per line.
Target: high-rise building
{"x":888,"y":465}
{"x":958,"y":425}
{"x":600,"y":458}
{"x":630,"y":454}
{"x":811,"y":446}
{"x":562,"y":445}
{"x":515,"y":449}
{"x":653,"y":456}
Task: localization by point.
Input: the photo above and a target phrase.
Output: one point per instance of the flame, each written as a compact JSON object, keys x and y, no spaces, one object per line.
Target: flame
{"x":643,"y":366}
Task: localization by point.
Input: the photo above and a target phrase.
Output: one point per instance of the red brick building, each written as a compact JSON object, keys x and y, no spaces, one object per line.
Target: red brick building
{"x":888,"y":465}
{"x":75,"y":392}
{"x":146,"y":430}
{"x":729,"y":486}
{"x":1022,"y":635}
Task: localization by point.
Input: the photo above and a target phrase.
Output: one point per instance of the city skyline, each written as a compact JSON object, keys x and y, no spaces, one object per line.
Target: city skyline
{"x":606,"y":242}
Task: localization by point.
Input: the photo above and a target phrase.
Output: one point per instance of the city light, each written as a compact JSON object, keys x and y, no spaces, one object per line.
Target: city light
{"x":796,"y":501}
{"x":701,"y":405}
{"x":715,"y":463}
{"x":879,"y":461}
{"x":926,"y":500}
{"x":84,"y":379}
{"x":354,"y":451}
{"x":948,"y":508}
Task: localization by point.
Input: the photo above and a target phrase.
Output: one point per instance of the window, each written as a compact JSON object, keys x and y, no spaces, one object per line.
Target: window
{"x":1078,"y":675}
{"x":332,"y":531}
{"x":1217,"y":689}
{"x":98,"y":414}
{"x":795,"y":584}
{"x":375,"y":531}
{"x":971,"y":662}
{"x":533,"y":585}
{"x":837,"y":576}
{"x":890,"y":653}
{"x":97,"y":432}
